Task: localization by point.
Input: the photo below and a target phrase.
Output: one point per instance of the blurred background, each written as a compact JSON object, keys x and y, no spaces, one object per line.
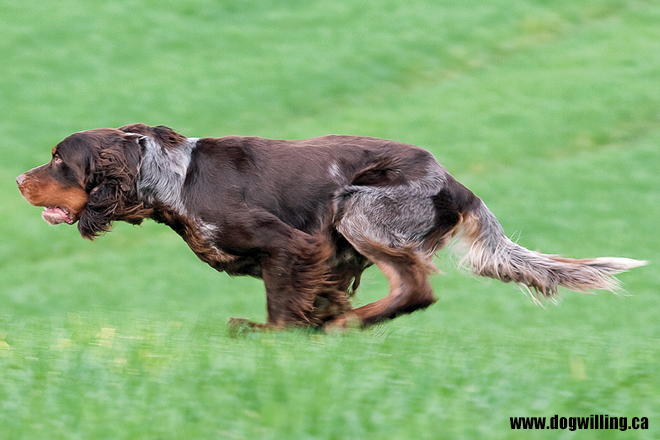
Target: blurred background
{"x":549,"y":110}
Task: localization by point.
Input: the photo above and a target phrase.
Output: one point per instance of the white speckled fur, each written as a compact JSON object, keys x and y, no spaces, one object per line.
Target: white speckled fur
{"x":163,"y":173}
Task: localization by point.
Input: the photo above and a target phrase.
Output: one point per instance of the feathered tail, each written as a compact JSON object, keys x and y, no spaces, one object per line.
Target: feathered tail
{"x":492,"y":254}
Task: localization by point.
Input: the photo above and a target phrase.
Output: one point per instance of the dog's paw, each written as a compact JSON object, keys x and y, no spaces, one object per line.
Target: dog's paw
{"x":241,"y":326}
{"x":343,"y":323}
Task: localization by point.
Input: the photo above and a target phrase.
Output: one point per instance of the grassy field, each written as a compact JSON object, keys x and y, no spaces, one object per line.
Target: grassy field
{"x":548,"y":110}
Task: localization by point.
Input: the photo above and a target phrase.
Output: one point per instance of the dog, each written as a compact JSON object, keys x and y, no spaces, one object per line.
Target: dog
{"x":305,"y":216}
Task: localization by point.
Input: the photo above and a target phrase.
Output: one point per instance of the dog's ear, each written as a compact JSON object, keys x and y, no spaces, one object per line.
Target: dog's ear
{"x":111,"y":185}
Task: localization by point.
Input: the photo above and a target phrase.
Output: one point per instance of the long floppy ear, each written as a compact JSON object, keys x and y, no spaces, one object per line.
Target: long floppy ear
{"x":111,"y":186}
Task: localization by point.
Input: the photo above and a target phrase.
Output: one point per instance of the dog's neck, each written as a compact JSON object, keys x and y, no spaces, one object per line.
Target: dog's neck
{"x":162,"y":173}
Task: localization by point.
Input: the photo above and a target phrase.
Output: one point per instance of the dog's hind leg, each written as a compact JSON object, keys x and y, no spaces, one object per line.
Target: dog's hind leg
{"x":390,"y":227}
{"x":406,"y":272}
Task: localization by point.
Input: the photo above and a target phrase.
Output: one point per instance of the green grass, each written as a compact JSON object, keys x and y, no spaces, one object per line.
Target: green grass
{"x":548,"y":110}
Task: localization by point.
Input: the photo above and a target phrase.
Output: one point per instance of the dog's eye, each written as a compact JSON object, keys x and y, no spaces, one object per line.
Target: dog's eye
{"x":57,"y":158}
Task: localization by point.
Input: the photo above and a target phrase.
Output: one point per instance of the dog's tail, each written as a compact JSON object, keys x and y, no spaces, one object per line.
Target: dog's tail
{"x":491,"y":253}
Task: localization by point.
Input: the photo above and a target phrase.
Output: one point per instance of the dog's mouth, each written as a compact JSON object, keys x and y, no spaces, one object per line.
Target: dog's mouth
{"x":56,"y":214}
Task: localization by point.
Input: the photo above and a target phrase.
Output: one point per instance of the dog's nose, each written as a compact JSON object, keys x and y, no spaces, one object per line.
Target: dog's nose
{"x":20,"y":179}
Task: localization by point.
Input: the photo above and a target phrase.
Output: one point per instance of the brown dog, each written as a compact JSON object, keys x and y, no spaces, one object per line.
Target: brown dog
{"x":306,"y":216}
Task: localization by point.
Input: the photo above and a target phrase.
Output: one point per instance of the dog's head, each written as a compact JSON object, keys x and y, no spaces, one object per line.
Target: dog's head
{"x":91,"y":179}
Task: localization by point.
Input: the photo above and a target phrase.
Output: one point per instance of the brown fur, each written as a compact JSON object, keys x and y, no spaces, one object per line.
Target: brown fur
{"x":307,"y":217}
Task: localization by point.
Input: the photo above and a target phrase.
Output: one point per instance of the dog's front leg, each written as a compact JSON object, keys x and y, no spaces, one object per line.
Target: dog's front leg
{"x":285,"y":307}
{"x":296,"y":275}
{"x":294,"y":268}
{"x":289,"y":296}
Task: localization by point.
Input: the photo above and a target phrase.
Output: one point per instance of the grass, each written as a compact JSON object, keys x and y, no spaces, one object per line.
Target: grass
{"x":548,"y":110}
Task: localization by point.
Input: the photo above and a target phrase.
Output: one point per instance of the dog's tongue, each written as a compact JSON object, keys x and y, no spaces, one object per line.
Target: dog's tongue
{"x":56,"y":215}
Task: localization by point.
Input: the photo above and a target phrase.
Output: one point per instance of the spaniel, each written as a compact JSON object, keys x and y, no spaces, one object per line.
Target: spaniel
{"x":305,"y":216}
